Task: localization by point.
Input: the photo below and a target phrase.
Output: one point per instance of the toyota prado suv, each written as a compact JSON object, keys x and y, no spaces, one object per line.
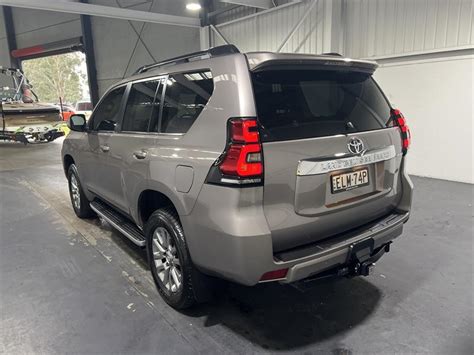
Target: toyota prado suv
{"x":255,"y":167}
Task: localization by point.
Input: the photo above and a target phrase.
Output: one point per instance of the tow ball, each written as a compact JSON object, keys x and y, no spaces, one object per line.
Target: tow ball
{"x":364,"y":269}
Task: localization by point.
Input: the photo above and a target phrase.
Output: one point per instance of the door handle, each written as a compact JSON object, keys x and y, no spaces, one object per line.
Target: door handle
{"x":104,"y":148}
{"x":140,"y":154}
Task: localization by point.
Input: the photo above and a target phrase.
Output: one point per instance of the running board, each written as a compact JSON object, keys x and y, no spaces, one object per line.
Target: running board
{"x":119,"y":222}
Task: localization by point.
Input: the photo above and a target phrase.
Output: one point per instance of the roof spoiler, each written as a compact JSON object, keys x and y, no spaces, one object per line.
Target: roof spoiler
{"x":211,"y":52}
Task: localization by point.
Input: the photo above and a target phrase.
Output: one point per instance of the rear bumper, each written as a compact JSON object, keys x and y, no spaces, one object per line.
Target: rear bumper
{"x":236,"y":244}
{"x":306,"y":262}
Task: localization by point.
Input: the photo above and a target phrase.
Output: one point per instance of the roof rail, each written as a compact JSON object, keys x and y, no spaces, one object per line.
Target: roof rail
{"x":334,"y":54}
{"x":211,"y":52}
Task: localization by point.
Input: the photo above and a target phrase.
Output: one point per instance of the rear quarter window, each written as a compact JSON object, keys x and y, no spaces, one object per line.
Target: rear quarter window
{"x":298,"y":104}
{"x":186,"y":95}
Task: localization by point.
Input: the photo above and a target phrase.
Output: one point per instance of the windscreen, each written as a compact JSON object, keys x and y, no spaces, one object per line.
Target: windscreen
{"x":298,"y":104}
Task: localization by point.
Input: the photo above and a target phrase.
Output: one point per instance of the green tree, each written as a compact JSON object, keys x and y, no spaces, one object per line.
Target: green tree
{"x":56,"y":76}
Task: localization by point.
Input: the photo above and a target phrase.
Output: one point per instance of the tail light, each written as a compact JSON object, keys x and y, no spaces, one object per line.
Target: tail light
{"x":399,"y":120}
{"x":241,"y":163}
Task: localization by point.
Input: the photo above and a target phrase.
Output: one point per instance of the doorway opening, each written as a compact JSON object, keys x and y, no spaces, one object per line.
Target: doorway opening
{"x":61,"y":80}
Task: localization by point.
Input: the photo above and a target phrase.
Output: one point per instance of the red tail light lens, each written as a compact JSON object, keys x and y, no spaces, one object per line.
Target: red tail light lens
{"x":242,"y":160}
{"x":244,"y":131}
{"x":405,"y":133}
{"x":241,"y":163}
{"x":243,"y":157}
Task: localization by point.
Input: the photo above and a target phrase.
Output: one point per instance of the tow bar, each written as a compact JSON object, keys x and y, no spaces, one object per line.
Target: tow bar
{"x":361,"y":261}
{"x":362,"y":257}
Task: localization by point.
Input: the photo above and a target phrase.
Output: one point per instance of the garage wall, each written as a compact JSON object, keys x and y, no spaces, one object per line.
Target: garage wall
{"x":314,"y":35}
{"x":4,"y":56}
{"x":425,"y":50}
{"x":357,"y":28}
{"x":118,"y":49}
{"x":436,"y":96}
{"x":33,"y":27}
{"x":375,"y":28}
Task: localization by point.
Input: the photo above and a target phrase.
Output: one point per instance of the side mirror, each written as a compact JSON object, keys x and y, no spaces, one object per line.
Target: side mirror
{"x":77,"y":123}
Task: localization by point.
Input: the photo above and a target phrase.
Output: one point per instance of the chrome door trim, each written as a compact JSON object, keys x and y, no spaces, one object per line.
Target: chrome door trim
{"x":325,"y":165}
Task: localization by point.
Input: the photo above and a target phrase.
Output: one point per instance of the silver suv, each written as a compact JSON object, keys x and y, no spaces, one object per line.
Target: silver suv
{"x":254,"y":168}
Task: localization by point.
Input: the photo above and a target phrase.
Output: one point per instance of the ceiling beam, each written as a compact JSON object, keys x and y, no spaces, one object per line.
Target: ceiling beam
{"x":260,"y":4}
{"x":103,"y":11}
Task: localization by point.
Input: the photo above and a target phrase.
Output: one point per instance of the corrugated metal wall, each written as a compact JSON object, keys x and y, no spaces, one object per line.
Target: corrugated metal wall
{"x":376,"y":28}
{"x":267,"y":31}
{"x":358,"y":28}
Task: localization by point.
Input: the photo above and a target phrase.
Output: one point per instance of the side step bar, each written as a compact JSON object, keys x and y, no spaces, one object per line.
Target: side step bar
{"x":119,"y":222}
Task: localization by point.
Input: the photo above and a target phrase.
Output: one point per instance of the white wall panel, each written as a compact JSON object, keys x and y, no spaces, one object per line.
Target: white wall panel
{"x":267,"y":31}
{"x":375,"y":28}
{"x":435,"y":95}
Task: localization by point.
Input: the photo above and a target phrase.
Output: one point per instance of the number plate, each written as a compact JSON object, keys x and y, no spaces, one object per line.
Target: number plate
{"x":349,"y":181}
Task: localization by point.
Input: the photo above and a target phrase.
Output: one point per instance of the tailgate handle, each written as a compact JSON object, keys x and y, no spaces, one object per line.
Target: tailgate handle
{"x":140,"y":154}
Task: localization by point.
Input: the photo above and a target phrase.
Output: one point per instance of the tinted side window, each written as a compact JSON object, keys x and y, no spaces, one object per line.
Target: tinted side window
{"x":140,"y":105}
{"x":106,"y":115}
{"x":305,"y":104}
{"x":185,"y":97}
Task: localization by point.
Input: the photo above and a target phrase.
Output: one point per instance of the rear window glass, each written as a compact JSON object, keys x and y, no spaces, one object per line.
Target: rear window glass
{"x":314,"y":103}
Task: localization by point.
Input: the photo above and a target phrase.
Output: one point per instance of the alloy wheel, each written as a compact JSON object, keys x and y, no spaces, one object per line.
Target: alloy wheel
{"x":166,"y":260}
{"x":75,"y":193}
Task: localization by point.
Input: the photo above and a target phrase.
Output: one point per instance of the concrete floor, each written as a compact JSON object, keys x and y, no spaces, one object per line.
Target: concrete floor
{"x":75,"y":286}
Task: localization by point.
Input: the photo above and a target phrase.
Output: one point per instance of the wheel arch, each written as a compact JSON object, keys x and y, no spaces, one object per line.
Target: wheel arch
{"x":150,"y":200}
{"x":68,"y":160}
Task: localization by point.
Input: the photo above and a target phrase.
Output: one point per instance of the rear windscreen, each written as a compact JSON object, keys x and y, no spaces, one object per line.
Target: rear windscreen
{"x":298,"y":104}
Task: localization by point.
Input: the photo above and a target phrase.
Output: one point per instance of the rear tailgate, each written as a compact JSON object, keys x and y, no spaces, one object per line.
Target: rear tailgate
{"x":332,"y":161}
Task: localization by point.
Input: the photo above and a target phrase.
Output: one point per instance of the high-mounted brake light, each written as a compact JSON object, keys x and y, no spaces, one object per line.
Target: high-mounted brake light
{"x":400,"y":121}
{"x":241,"y":163}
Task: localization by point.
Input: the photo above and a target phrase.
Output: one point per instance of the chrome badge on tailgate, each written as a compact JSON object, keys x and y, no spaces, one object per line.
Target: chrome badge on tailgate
{"x":315,"y":167}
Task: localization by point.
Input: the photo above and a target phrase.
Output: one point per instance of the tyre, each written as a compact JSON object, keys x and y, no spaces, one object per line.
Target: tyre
{"x":169,"y":259}
{"x":79,"y":201}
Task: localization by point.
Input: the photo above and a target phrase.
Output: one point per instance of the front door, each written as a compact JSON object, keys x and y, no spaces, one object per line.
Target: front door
{"x":102,"y":175}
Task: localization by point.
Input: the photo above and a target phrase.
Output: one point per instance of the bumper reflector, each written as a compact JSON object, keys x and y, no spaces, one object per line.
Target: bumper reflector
{"x":274,"y":275}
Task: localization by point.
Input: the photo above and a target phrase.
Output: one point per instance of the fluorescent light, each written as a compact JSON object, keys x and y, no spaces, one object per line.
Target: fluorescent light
{"x":194,"y":6}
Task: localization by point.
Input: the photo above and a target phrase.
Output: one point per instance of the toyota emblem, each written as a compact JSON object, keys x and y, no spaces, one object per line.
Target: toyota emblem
{"x":355,"y":146}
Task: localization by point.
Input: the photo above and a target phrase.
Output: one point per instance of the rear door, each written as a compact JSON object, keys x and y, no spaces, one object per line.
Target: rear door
{"x":331,"y":158}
